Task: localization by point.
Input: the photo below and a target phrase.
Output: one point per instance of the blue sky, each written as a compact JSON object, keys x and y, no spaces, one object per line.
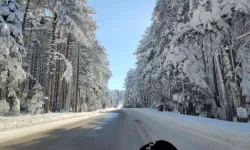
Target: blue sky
{"x":121,"y":24}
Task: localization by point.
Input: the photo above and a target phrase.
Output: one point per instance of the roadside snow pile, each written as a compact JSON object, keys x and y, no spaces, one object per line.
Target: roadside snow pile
{"x":119,"y":106}
{"x":108,"y":109}
{"x":236,"y":134}
{"x":10,"y":123}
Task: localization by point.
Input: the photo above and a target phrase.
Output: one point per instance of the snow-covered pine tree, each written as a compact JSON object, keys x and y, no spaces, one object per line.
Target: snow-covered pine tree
{"x":196,"y":59}
{"x":115,"y":97}
{"x":75,"y":21}
{"x":11,"y":54}
{"x":71,"y":28}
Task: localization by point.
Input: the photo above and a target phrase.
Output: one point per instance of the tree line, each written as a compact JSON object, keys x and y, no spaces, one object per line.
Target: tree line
{"x":194,"y":58}
{"x":115,"y":97}
{"x":50,"y":59}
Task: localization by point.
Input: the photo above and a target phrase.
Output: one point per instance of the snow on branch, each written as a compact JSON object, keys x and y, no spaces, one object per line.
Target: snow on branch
{"x":242,"y":36}
{"x":68,"y":73}
{"x":41,"y":28}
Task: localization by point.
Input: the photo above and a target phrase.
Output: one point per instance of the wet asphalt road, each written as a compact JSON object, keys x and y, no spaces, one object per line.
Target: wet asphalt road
{"x":110,"y":131}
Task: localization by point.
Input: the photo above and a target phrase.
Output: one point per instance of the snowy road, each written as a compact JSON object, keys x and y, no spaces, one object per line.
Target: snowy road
{"x":110,"y":131}
{"x":126,"y":129}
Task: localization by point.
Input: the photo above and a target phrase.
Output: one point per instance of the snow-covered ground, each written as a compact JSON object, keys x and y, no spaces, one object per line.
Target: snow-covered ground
{"x":189,"y":132}
{"x":140,"y":126}
{"x":10,"y":123}
{"x":20,"y":126}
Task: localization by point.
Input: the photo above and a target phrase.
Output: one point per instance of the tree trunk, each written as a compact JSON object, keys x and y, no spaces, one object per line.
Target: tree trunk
{"x":216,"y":89}
{"x":222,"y":86}
{"x":77,"y":78}
{"x":57,"y":77}
{"x":31,"y":71}
{"x":51,"y":65}
{"x":38,"y":64}
{"x":66,"y":85}
{"x":25,"y":14}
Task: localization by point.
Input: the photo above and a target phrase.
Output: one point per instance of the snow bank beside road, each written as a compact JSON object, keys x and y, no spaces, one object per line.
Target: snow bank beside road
{"x":17,"y":127}
{"x":233,"y":134}
{"x":10,"y":123}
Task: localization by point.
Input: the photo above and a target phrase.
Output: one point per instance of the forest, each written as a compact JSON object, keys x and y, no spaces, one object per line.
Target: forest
{"x":115,"y":97}
{"x":50,"y":58}
{"x":194,"y":59}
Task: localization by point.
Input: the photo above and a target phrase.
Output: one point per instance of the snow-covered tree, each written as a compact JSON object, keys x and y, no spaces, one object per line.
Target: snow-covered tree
{"x":193,"y":58}
{"x":60,"y":40}
{"x":115,"y":97}
{"x":11,"y":54}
